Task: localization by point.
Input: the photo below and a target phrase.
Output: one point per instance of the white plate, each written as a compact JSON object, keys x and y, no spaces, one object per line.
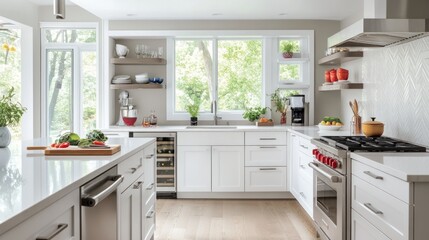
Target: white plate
{"x":328,"y":128}
{"x":122,"y":77}
{"x":121,"y":81}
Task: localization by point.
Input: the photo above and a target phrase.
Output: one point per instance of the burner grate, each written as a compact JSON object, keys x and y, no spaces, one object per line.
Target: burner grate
{"x":371,"y":144}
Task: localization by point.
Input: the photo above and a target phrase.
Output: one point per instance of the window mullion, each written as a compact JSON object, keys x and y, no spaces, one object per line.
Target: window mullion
{"x":215,"y":73}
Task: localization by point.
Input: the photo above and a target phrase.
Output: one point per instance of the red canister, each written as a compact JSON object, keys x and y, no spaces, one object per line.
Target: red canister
{"x":333,"y":75}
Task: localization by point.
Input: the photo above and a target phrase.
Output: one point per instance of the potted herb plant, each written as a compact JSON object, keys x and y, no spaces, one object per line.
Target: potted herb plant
{"x":253,"y":114}
{"x":280,"y":102}
{"x":287,"y":48}
{"x":193,"y":110}
{"x":10,"y":115}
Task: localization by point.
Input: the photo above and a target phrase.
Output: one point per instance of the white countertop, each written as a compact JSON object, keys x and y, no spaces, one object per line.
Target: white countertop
{"x":30,"y":181}
{"x":410,"y":167}
{"x":308,"y":132}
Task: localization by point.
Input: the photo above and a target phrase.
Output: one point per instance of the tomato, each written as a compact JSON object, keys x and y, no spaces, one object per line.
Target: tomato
{"x":64,"y":145}
{"x":53,"y":145}
{"x":98,"y":142}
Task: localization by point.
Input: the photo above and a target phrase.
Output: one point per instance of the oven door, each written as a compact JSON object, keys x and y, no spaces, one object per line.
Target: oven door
{"x":329,"y":201}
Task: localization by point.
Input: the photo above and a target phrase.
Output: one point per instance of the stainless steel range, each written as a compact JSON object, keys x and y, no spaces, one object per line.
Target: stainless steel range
{"x":332,"y":178}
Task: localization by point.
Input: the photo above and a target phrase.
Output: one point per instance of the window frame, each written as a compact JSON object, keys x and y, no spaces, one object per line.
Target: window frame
{"x":77,"y":49}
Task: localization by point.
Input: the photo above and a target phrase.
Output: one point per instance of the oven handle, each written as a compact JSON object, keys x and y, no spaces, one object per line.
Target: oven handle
{"x":316,"y":168}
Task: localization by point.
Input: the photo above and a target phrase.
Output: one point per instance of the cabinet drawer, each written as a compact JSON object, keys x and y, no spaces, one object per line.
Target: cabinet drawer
{"x":383,"y":181}
{"x":210,"y":138}
{"x":265,"y":156}
{"x":362,"y":229}
{"x":265,"y":138}
{"x":149,"y":202}
{"x":62,"y":217}
{"x":149,"y":156}
{"x":265,"y":179}
{"x":131,"y":169}
{"x":303,"y":169}
{"x":381,"y":209}
{"x":113,"y":134}
{"x":305,"y":195}
{"x":149,"y":223}
{"x":305,"y":146}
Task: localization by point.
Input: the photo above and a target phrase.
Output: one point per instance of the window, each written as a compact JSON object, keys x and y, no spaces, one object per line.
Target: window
{"x":70,"y":80}
{"x":236,"y":69}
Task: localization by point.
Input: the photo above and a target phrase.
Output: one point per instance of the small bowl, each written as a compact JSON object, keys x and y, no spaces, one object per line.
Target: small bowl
{"x":328,"y":127}
{"x":142,"y":80}
{"x":121,"y":50}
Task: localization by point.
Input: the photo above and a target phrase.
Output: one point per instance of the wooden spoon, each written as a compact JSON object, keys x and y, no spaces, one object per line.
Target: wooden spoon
{"x":353,"y":109}
{"x":356,"y":106}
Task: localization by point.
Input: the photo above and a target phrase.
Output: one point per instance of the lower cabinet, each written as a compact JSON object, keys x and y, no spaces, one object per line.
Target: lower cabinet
{"x":194,"y":169}
{"x":265,"y":179}
{"x":362,"y":229}
{"x":58,"y":221}
{"x":227,"y":168}
{"x":301,"y":185}
{"x":137,"y":202}
{"x":130,"y":211}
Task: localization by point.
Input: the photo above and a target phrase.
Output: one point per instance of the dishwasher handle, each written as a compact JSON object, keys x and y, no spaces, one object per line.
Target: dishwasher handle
{"x":92,"y":201}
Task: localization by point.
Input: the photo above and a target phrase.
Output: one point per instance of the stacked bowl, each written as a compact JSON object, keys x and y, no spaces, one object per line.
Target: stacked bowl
{"x":142,"y":78}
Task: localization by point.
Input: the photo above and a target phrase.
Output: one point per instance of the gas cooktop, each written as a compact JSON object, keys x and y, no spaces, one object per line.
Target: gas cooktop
{"x":371,"y":144}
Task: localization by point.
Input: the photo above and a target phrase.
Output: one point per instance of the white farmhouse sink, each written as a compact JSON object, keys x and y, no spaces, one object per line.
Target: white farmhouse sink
{"x":211,"y":127}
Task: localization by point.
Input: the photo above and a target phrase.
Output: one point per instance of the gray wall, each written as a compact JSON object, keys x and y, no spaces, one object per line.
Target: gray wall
{"x":325,"y":103}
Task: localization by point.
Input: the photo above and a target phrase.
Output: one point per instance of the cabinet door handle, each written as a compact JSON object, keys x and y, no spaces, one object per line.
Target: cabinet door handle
{"x":302,"y":166}
{"x":149,"y":156}
{"x":267,"y":138}
{"x":293,"y":135}
{"x":303,"y":146}
{"x":150,"y":187}
{"x":134,"y":169}
{"x":267,"y":169}
{"x":150,"y":215}
{"x":302,"y":194}
{"x":372,"y":209}
{"x":59,"y":229}
{"x":268,"y":147}
{"x":138,"y":185}
{"x":373,"y":175}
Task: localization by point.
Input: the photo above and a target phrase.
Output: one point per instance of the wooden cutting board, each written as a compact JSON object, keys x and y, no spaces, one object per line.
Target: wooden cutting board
{"x":77,"y":151}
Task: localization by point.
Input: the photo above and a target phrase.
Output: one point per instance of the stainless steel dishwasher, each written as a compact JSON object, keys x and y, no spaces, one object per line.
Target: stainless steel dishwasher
{"x":165,"y":162}
{"x":99,"y":215}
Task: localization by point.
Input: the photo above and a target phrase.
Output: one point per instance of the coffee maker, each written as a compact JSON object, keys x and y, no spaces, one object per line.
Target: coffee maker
{"x":297,"y":106}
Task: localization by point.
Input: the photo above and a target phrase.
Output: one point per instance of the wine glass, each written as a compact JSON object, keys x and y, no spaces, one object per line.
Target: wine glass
{"x":160,"y":52}
{"x":138,"y":50}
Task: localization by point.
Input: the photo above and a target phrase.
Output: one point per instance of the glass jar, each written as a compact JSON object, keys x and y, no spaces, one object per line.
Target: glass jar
{"x":153,"y":118}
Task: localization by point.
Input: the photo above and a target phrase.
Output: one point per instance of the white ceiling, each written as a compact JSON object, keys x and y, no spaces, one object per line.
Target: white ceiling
{"x":219,"y":9}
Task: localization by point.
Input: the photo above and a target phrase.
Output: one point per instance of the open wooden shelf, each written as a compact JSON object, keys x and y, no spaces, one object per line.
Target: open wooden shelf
{"x":340,"y":57}
{"x":136,"y":86}
{"x":138,"y":61}
{"x":337,"y":87}
{"x":292,"y":60}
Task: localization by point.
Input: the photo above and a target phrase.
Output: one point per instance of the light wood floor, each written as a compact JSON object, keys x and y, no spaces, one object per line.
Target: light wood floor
{"x":232,"y":219}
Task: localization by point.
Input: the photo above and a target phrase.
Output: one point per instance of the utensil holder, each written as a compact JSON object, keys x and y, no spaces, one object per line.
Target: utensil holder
{"x":356,"y":125}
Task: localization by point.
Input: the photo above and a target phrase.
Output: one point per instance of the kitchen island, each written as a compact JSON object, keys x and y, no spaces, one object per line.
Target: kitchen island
{"x":32,"y":182}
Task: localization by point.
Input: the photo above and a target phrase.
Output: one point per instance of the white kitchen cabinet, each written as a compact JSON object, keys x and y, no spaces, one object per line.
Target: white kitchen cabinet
{"x":116,"y":134}
{"x":130,"y":219}
{"x":194,"y":169}
{"x":138,"y":197}
{"x":301,"y":185}
{"x":362,"y":229}
{"x":265,"y":162}
{"x":265,"y":179}
{"x":228,"y":168}
{"x":60,"y":220}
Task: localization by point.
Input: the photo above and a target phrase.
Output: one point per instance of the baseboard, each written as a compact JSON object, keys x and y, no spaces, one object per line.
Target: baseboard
{"x":235,"y":195}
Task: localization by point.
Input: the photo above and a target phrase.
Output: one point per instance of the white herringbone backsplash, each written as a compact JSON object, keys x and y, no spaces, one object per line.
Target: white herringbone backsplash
{"x":396,"y":89}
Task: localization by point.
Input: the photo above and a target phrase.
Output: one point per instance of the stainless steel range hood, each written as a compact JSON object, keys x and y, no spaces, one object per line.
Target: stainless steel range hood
{"x":394,"y":22}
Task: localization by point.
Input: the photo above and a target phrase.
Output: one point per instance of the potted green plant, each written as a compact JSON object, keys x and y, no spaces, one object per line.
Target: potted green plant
{"x":287,"y":48}
{"x":253,"y":114}
{"x":280,"y":102}
{"x":193,"y":110}
{"x":10,"y":115}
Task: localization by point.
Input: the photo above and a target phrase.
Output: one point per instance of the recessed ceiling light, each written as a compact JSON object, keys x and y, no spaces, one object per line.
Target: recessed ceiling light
{"x":217,"y":14}
{"x":131,"y":14}
{"x":283,"y":14}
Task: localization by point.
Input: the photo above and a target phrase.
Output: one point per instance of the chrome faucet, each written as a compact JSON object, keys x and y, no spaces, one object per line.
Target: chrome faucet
{"x":214,"y":110}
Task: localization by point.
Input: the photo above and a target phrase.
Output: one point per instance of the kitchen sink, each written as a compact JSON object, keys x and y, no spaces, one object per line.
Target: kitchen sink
{"x":211,"y":127}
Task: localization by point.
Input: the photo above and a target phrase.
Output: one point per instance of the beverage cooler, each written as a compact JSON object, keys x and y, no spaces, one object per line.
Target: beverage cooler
{"x":165,"y":162}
